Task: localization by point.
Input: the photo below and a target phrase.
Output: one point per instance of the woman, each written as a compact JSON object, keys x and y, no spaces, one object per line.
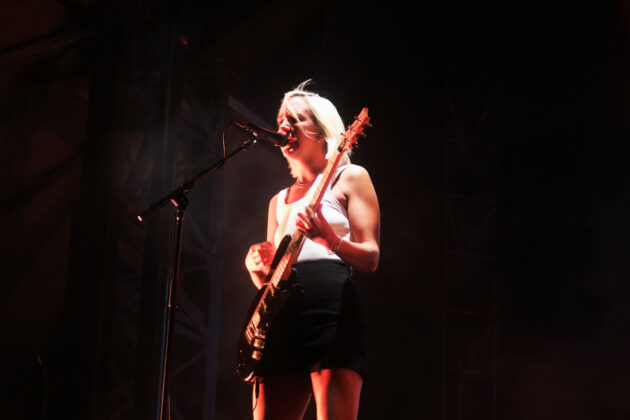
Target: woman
{"x":317,"y":349}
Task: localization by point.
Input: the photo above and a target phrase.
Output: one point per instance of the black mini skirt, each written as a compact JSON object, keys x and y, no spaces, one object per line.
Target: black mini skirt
{"x":320,"y":328}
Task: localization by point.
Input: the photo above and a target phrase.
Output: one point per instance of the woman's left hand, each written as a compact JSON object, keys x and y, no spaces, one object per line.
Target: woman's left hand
{"x":316,"y":227}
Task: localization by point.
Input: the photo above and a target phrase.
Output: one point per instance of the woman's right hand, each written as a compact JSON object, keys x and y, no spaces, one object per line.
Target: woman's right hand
{"x":259,"y":257}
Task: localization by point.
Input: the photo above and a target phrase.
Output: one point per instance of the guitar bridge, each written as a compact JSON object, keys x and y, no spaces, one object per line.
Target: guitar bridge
{"x":258,"y":345}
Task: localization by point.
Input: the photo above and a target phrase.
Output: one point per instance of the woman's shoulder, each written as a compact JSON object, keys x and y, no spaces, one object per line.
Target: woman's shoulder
{"x":353,"y":172}
{"x":354,"y":179}
{"x":274,"y":200}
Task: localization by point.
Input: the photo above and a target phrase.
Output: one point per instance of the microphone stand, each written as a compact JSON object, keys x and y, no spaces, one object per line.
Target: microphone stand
{"x":180,"y":201}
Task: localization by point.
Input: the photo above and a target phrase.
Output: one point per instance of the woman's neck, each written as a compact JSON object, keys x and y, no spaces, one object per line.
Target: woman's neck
{"x":306,"y":172}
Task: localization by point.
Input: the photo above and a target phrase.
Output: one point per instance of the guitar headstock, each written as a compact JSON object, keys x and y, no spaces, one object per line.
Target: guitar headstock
{"x":355,"y":130}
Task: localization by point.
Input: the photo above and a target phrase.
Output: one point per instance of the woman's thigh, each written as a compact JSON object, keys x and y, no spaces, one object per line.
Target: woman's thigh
{"x":282,"y":397}
{"x":337,"y":392}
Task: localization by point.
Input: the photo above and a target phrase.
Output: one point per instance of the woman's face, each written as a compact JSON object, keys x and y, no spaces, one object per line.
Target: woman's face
{"x":304,"y":136}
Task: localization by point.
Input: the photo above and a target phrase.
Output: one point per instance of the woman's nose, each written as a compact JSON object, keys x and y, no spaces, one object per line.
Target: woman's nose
{"x":285,"y":127}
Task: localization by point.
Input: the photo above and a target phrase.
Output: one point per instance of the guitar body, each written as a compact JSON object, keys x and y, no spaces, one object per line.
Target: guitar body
{"x":281,"y":282}
{"x":265,"y":309}
{"x":250,"y":351}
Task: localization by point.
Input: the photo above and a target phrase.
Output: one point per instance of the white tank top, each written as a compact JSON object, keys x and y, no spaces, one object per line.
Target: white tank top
{"x":334,"y":213}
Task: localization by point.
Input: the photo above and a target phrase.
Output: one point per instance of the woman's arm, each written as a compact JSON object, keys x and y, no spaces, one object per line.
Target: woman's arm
{"x":362,"y":251}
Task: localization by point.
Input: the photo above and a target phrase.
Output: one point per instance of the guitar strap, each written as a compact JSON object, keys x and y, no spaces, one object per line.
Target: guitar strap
{"x":339,"y":171}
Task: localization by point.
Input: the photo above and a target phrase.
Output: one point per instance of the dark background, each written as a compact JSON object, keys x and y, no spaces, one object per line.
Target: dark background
{"x":499,"y":150}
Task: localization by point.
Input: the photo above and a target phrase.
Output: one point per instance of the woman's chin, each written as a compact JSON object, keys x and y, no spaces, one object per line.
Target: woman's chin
{"x":290,"y":149}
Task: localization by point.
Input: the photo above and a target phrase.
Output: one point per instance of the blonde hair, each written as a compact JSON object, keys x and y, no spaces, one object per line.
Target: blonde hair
{"x":325,"y":117}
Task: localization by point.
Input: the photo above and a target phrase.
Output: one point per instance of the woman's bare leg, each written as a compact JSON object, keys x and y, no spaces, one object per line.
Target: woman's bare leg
{"x":337,"y":392}
{"x":282,"y":397}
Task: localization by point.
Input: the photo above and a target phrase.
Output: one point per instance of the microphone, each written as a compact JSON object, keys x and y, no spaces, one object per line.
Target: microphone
{"x":274,"y":138}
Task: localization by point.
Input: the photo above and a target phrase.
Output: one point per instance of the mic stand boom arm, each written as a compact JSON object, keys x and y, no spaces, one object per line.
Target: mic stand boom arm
{"x":180,"y":201}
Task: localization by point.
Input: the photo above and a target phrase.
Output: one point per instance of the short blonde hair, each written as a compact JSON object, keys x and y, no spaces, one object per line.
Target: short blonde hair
{"x":325,"y":117}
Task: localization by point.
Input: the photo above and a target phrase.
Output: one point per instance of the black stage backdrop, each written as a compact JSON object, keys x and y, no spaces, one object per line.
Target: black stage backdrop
{"x":499,"y":151}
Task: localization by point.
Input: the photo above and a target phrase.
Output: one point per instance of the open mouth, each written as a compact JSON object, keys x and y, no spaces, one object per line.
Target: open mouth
{"x":293,"y":141}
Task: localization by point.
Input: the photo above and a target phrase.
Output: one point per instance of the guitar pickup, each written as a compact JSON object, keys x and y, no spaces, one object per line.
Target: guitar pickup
{"x":259,"y":343}
{"x":259,"y":340}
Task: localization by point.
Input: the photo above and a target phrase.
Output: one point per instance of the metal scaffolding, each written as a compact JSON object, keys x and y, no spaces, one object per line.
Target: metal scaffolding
{"x":470,"y":192}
